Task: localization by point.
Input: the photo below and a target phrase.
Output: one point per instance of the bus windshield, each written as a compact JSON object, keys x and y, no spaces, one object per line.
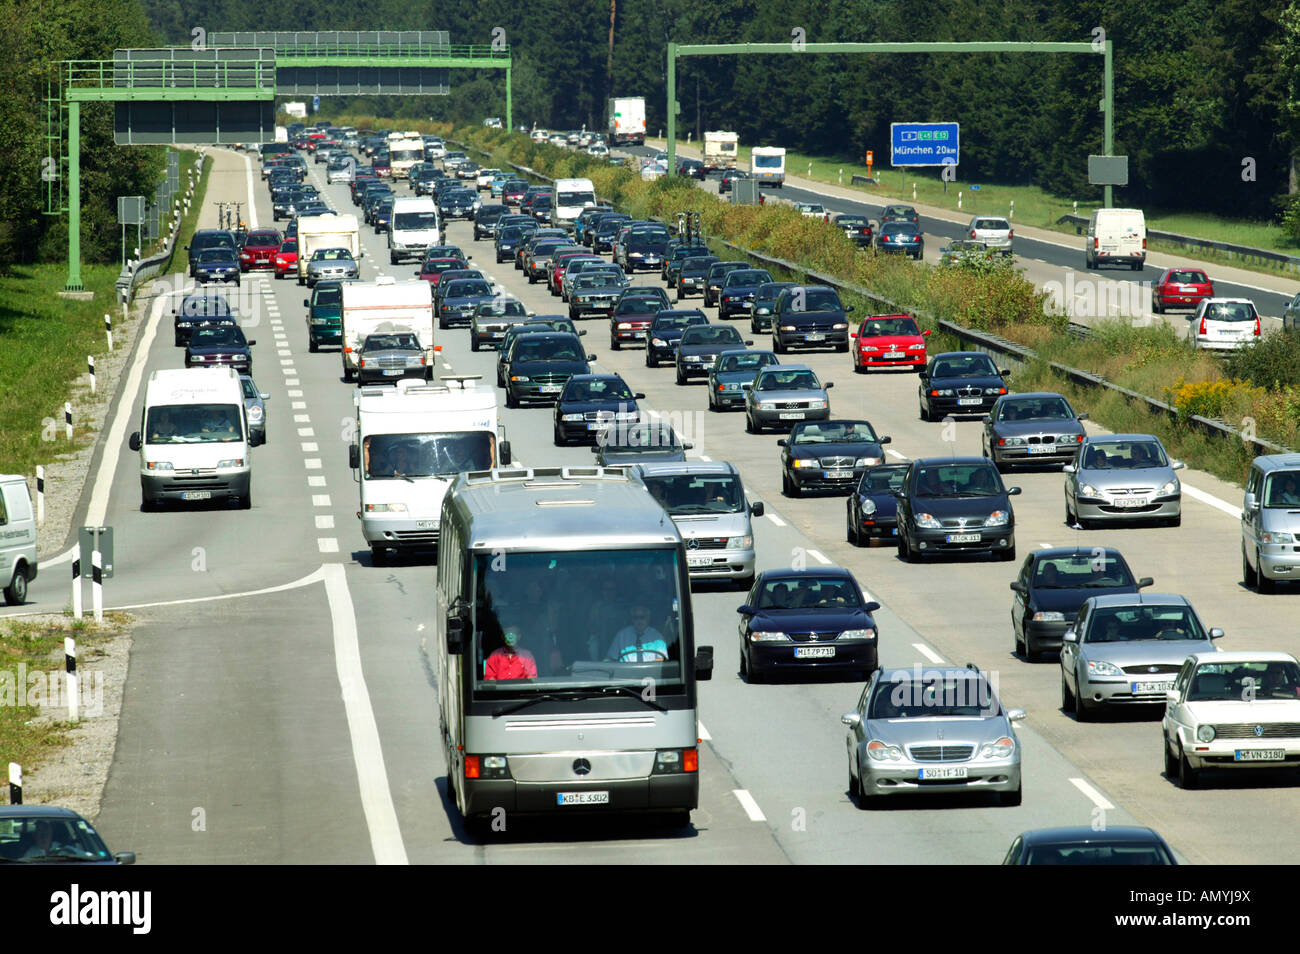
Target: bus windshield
{"x":404,"y":456}
{"x":572,"y":620}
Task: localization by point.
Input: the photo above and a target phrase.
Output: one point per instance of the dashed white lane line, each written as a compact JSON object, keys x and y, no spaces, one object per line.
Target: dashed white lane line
{"x":749,"y":805}
{"x":446,"y":366}
{"x":928,"y":653}
{"x":1213,"y":501}
{"x":306,"y":432}
{"x":287,"y":363}
{"x":775,"y":519}
{"x":1094,"y":796}
{"x":893,"y":453}
{"x":283,"y":352}
{"x":302,"y":418}
{"x":1045,"y":546}
{"x":312,"y":463}
{"x":294,"y":394}
{"x":327,"y":544}
{"x":701,"y":732}
{"x":309,"y":447}
{"x":819,"y":557}
{"x":299,"y":406}
{"x":706,"y":459}
{"x":290,"y":382}
{"x":324,"y":522}
{"x":320,"y":500}
{"x":316,"y":481}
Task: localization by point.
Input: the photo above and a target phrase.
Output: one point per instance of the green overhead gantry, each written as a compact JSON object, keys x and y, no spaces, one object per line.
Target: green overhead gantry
{"x":227,"y":89}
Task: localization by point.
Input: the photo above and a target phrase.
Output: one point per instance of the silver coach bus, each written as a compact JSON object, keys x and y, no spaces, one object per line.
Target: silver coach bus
{"x":566,"y":654}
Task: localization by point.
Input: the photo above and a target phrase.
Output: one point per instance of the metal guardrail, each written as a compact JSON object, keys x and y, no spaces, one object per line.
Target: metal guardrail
{"x":1290,"y":262}
{"x":147,"y":267}
{"x":169,"y":74}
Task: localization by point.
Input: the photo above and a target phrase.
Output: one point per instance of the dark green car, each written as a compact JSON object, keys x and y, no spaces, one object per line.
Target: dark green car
{"x":324,"y":315}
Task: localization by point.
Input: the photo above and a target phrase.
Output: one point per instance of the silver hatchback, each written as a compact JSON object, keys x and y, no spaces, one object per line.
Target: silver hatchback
{"x":995,"y":233}
{"x":1119,"y":477}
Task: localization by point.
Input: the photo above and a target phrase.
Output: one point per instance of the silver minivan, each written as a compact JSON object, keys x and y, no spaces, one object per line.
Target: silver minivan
{"x":706,"y":500}
{"x":1270,"y":521}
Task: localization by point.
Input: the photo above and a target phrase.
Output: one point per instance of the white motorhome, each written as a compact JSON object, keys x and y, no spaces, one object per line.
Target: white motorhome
{"x":404,"y":151}
{"x":194,"y":438}
{"x":386,"y":306}
{"x":1116,"y":237}
{"x":17,"y":538}
{"x":326,"y":231}
{"x":413,"y":440}
{"x":767,"y":165}
{"x":720,"y":149}
{"x":281,"y":133}
{"x":413,"y":228}
{"x":568,"y":198}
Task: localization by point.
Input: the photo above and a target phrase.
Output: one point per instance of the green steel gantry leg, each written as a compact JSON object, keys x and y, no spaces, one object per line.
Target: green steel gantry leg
{"x":672,"y":108}
{"x":510,"y":115}
{"x":74,"y":198}
{"x":1108,"y":107}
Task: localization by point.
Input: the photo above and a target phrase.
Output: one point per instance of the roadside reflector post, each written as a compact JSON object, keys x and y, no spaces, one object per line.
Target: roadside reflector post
{"x":76,"y":582}
{"x":67,"y":417}
{"x":15,"y":784}
{"x":40,"y":495}
{"x":70,"y":661}
{"x":108,"y":326}
{"x":959,"y":201}
{"x":97,"y":586}
{"x":90,"y":364}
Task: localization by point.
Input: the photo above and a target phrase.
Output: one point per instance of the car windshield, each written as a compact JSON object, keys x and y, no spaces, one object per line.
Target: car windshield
{"x":327,"y":295}
{"x":639,"y":305}
{"x":936,"y":695}
{"x":502,"y":309}
{"x":34,"y":838}
{"x":576,"y":198}
{"x":834,"y":432}
{"x":597,"y":389}
{"x":711,"y":335}
{"x":697,"y":493}
{"x":331,"y":255}
{"x":789,"y":381}
{"x":1244,"y":681}
{"x":262,"y":239}
{"x":547,"y":349}
{"x":812,"y":299}
{"x":221,"y":336}
{"x":1124,"y":455}
{"x":1282,"y":489}
{"x":809,"y":592}
{"x":1132,"y":623}
{"x":1035,"y":409}
{"x":415,"y":220}
{"x":216,"y":255}
{"x":1095,"y":569}
{"x":399,"y":342}
{"x":957,"y":480}
{"x":975,"y":365}
{"x":749,"y":361}
{"x":1095,"y":853}
{"x":398,"y":456}
{"x":194,"y":424}
{"x":289,"y":247}
{"x":748,"y":276}
{"x":879,"y":327}
{"x":467,"y":288}
{"x":1229,"y":311}
{"x":697,"y":265}
{"x":883,"y":480}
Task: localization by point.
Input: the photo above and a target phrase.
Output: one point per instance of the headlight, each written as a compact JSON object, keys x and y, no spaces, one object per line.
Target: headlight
{"x":519,"y":377}
{"x":659,"y":343}
{"x":571,"y":417}
{"x":386,"y":508}
{"x":1169,"y":489}
{"x":839,"y":327}
{"x":1000,"y":749}
{"x":787,"y":328}
{"x":762,"y":311}
{"x":868,"y":506}
{"x":869,"y":348}
{"x":1276,"y":538}
{"x":768,"y":637}
{"x":1205,"y":733}
{"x":233,"y":462}
{"x":1011,"y":441}
{"x":740,"y":543}
{"x":928,"y":522}
{"x":158,"y":465}
{"x":858,"y":634}
{"x":867,"y":461}
{"x":816,"y":405}
{"x":767,"y":405}
{"x":1049,"y":617}
{"x":255,"y":413}
{"x":1088,"y":490}
{"x":624,"y":326}
{"x":944,"y":392}
{"x":880,"y":751}
{"x":806,"y":462}
{"x":995,"y":390}
{"x":1103,"y":669}
{"x":916,"y":347}
{"x":998,"y":518}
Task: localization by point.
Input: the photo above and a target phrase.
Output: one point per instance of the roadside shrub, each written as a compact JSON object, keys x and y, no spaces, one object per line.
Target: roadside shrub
{"x":1272,"y":362}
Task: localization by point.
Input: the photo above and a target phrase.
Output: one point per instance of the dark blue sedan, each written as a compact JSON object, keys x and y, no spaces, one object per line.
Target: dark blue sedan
{"x":872,"y":508}
{"x":591,"y":403}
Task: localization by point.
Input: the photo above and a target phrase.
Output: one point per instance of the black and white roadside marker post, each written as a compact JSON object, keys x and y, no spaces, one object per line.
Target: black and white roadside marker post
{"x":70,"y":658}
{"x":15,"y":784}
{"x":67,"y":417}
{"x":76,"y":582}
{"x":97,"y":585}
{"x":108,"y":327}
{"x":90,"y":365}
{"x":40,"y":495}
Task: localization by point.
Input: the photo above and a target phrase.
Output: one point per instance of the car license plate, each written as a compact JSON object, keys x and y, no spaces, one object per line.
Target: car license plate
{"x":838,"y":474}
{"x":638,"y":334}
{"x":698,"y":560}
{"x":963,"y":538}
{"x":496,"y":334}
{"x":814,"y":337}
{"x":792,"y":416}
{"x":934,"y":774}
{"x":582,"y":798}
{"x":814,"y":652}
{"x":894,"y":531}
{"x":1131,"y":502}
{"x":893,"y":354}
{"x":1159,"y":686}
{"x":393,"y":372}
{"x":1187,"y":288}
{"x":550,"y":389}
{"x":197,"y":495}
{"x":1042,"y":448}
{"x":969,"y":402}
{"x":1259,"y":755}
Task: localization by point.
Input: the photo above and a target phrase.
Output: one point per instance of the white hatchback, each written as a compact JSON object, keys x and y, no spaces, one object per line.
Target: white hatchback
{"x":1223,"y":324}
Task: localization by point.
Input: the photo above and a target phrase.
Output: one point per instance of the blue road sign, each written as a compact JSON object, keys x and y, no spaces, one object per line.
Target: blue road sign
{"x":924,"y":144}
{"x":315,"y":104}
{"x":974,"y":188}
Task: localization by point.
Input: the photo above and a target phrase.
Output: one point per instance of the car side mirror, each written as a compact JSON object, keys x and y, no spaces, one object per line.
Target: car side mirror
{"x":124,"y":857}
{"x":1017,"y":587}
{"x":688,"y":446}
{"x":747,"y":386}
{"x":595,"y":448}
{"x":1069,"y":469}
{"x":1177,"y":465}
{"x":848,"y":309}
{"x":134,"y":441}
{"x":783,"y":443}
{"x":746,"y":610}
{"x":1216,"y":633}
{"x":749,"y":344}
{"x":1250,"y":503}
{"x":987,"y":418}
{"x":264,"y":395}
{"x":884,"y":440}
{"x":591,"y":357}
{"x":306,"y":302}
{"x":1015,"y":715}
{"x":1082,"y":417}
{"x":1070,"y":636}
{"x":251,"y":342}
{"x":871,"y":607}
{"x":926,"y":331}
{"x":1191,"y":317}
{"x":703,"y":662}
{"x":638,"y":396}
{"x":1145,"y":582}
{"x":1004,"y":372}
{"x":851,"y":719}
{"x":828,"y":385}
{"x":1171,"y":697}
{"x":354,"y":456}
{"x":756,"y":509}
{"x":1013,"y":491}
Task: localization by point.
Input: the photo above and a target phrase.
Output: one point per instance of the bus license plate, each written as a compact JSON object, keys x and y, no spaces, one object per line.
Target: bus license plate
{"x":933,"y":774}
{"x":963,"y":538}
{"x":582,"y":798}
{"x":197,"y":495}
{"x":698,"y":561}
{"x":1259,"y":755}
{"x":814,"y":652}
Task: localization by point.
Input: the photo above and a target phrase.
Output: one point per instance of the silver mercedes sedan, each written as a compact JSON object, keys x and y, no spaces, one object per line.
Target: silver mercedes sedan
{"x":1120,"y":477}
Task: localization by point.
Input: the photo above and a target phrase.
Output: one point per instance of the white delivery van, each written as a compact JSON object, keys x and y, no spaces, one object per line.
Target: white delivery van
{"x":413,"y":440}
{"x":720,"y":149}
{"x":626,"y":116}
{"x":413,"y":228}
{"x":568,"y":198}
{"x":17,"y":538}
{"x":194,"y":438}
{"x":1116,"y":237}
{"x":386,"y":306}
{"x":325,"y":231}
{"x":767,"y":165}
{"x":404,"y":151}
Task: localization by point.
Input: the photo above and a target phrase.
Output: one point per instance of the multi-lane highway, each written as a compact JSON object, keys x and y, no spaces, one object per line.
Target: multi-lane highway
{"x":280,"y":706}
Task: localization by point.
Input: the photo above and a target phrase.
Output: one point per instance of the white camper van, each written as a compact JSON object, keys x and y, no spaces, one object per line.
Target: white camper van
{"x":17,"y":538}
{"x":720,"y":149}
{"x":767,"y":165}
{"x":1116,"y":237}
{"x":325,"y":231}
{"x":413,"y":440}
{"x":194,"y":438}
{"x":386,"y":306}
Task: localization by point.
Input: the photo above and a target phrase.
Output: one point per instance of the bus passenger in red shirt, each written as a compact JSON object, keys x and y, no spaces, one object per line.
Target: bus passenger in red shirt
{"x":510,"y":661}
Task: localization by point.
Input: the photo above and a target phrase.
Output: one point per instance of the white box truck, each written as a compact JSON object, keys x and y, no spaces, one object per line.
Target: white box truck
{"x":767,"y":165}
{"x":194,"y":438}
{"x":296,"y":109}
{"x":325,"y":231}
{"x":413,"y":229}
{"x":404,"y":151}
{"x":1116,"y":237}
{"x":17,"y":538}
{"x":627,"y":121}
{"x":281,"y":133}
{"x":720,"y":149}
{"x":413,"y":440}
{"x":386,"y":306}
{"x":568,"y":198}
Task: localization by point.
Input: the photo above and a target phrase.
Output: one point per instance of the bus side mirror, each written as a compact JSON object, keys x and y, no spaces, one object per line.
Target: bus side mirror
{"x":505,"y":454}
{"x":457,"y":620}
{"x":354,"y":456}
{"x":703,"y":663}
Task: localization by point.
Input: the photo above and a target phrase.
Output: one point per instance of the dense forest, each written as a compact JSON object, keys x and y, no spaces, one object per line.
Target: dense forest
{"x":1207,"y":92}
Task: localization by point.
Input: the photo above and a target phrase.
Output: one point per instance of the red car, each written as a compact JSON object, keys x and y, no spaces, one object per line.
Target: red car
{"x":431,"y":271}
{"x":286,"y":260}
{"x":888,"y":341}
{"x":512,"y":193}
{"x":1180,"y":288}
{"x":560,"y":262}
{"x":259,"y":249}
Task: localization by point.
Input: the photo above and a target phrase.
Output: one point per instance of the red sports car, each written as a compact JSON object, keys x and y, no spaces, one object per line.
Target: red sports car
{"x":888,"y":341}
{"x":259,"y":249}
{"x":286,"y":260}
{"x":1180,"y":288}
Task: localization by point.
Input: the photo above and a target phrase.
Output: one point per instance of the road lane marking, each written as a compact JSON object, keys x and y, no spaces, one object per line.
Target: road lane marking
{"x":324,"y":522}
{"x":320,"y":500}
{"x":702,"y":732}
{"x":749,"y":805}
{"x":928,"y":653}
{"x":290,"y":382}
{"x":312,"y":463}
{"x":306,"y":432}
{"x":894,"y":453}
{"x":316,"y":481}
{"x":294,"y":394}
{"x":1045,"y":546}
{"x":774,"y":518}
{"x":1093,"y":795}
{"x":299,"y":406}
{"x":363,"y":730}
{"x":1213,"y":501}
{"x":327,"y":544}
{"x":707,"y":459}
{"x":302,"y":418}
{"x":819,"y":557}
{"x":309,"y":447}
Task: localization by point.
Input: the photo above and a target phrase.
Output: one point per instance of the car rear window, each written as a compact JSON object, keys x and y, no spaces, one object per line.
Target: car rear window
{"x":1229,"y":311}
{"x":1188,"y":278}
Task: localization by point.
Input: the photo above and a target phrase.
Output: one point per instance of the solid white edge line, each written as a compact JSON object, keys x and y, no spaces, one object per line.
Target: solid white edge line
{"x":1094,"y":796}
{"x":819,"y":557}
{"x":252,"y":201}
{"x":363,"y":730}
{"x":928,"y":653}
{"x":313,"y":577}
{"x":749,"y":805}
{"x":1213,"y":501}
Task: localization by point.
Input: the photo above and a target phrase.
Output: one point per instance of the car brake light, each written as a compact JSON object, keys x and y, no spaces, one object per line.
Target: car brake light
{"x":1096,"y":244}
{"x":1203,"y":331}
{"x":1011,"y":233}
{"x":972,"y":233}
{"x":1256,"y":324}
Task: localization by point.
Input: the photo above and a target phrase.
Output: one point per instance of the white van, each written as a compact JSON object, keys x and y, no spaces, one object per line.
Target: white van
{"x":17,"y":538}
{"x":568,"y":198}
{"x":767,"y":165}
{"x":413,"y":229}
{"x":1116,"y":237}
{"x":194,"y":438}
